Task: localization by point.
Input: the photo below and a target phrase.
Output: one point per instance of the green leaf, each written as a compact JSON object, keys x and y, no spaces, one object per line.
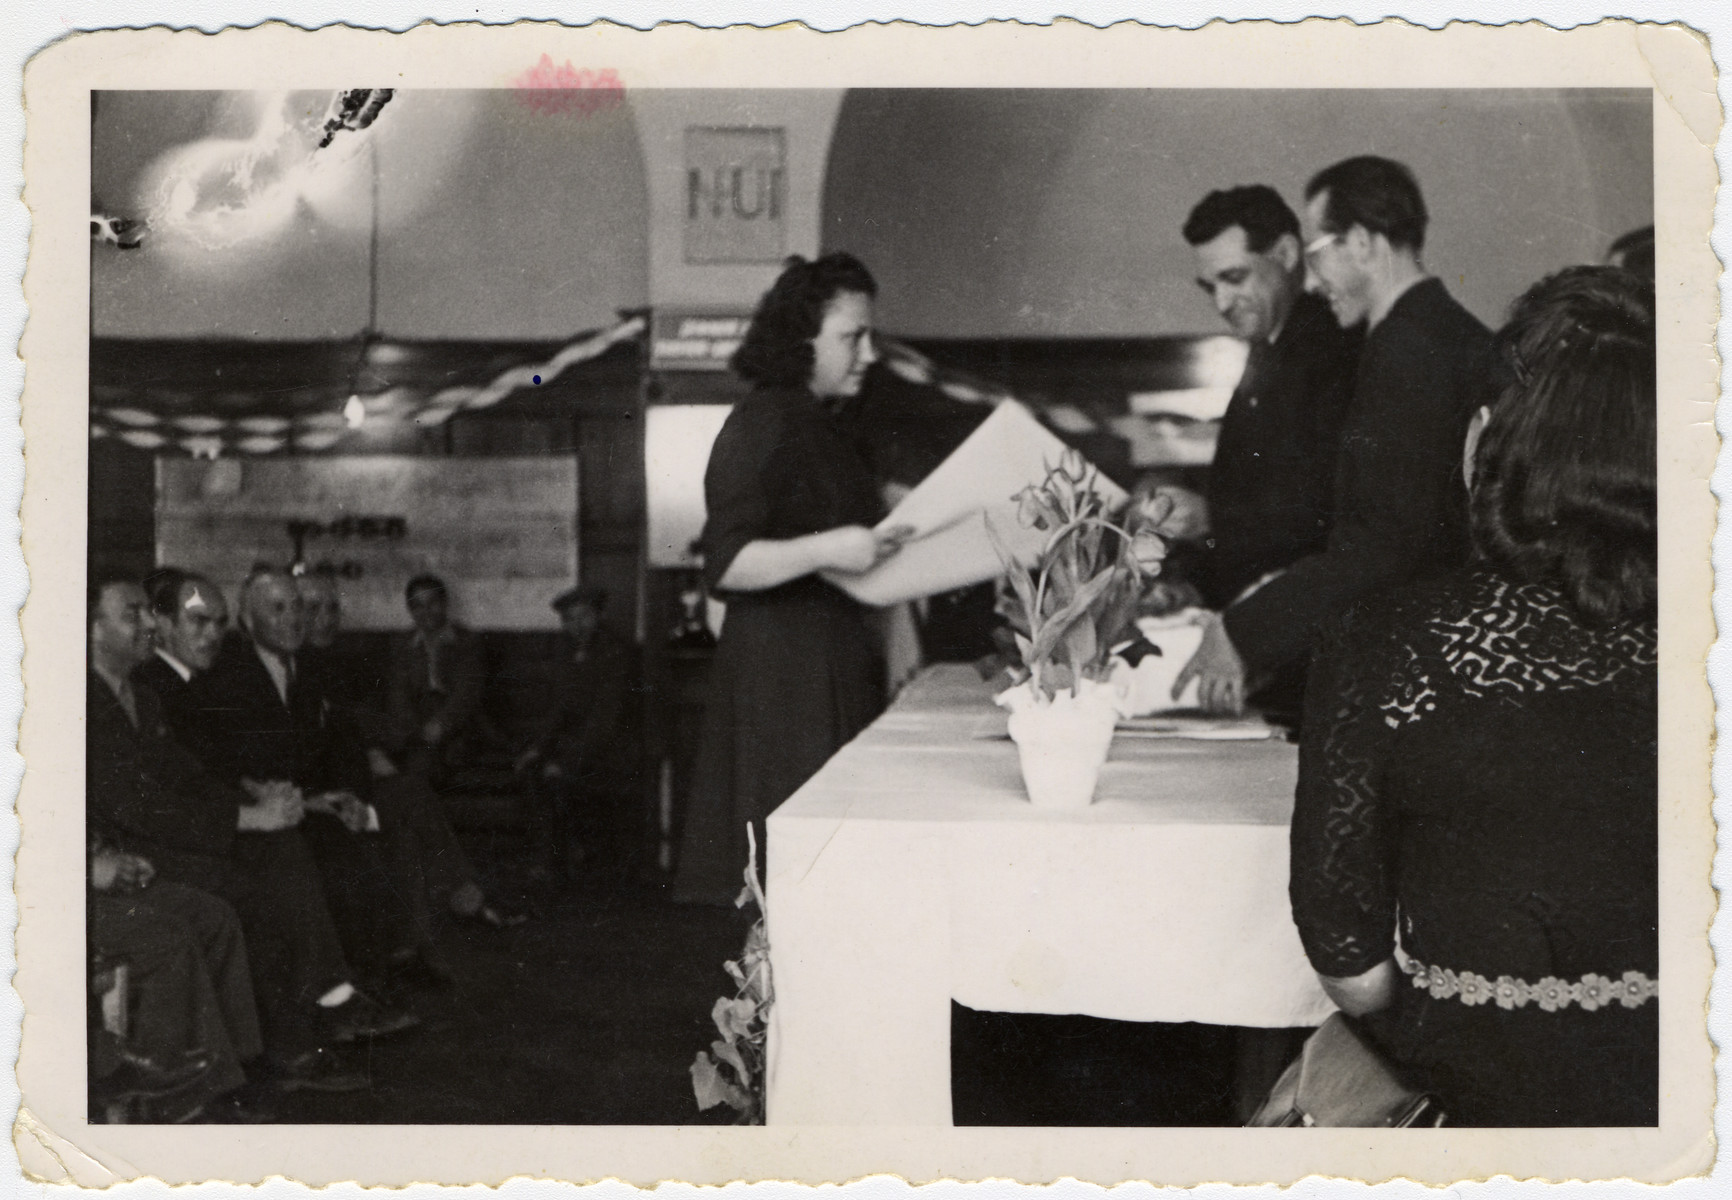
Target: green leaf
{"x":1020,"y":582}
{"x":1055,"y":627}
{"x":1079,"y":646}
{"x":726,"y":1052}
{"x":733,"y":1017}
{"x":1117,"y":618}
{"x":709,"y":1088}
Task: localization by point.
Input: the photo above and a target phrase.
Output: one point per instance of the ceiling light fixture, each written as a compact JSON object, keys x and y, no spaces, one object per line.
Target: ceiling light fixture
{"x":355,"y":409}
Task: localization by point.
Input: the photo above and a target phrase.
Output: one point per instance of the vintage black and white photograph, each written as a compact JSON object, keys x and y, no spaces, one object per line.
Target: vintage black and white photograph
{"x":1125,"y":607}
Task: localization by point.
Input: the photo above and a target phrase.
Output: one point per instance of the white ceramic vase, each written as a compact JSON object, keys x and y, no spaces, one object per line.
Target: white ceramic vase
{"x":1062,"y":742}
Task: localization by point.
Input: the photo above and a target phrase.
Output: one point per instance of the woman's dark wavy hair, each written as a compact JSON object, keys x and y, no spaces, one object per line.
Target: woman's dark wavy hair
{"x":1564,"y":475}
{"x":777,"y":349}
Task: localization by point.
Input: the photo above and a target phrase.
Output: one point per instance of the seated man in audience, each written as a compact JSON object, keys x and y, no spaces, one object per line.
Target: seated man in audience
{"x":188,"y":979}
{"x":437,"y":679}
{"x":260,"y":718}
{"x":345,"y":679}
{"x":191,"y":618}
{"x":583,"y":756}
{"x":427,"y":861}
{"x":146,"y":795}
{"x":1400,"y":510}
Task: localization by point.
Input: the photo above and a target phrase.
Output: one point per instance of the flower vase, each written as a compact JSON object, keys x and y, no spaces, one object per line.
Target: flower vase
{"x":1062,"y":742}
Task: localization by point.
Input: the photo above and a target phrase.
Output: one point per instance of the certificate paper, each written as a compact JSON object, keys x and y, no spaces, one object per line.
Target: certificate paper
{"x":951,"y":508}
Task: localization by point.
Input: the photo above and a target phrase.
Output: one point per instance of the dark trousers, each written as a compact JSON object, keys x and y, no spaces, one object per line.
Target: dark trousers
{"x":189,"y":976}
{"x":292,"y":943}
{"x":370,"y":905}
{"x":584,"y":818}
{"x":426,"y":863}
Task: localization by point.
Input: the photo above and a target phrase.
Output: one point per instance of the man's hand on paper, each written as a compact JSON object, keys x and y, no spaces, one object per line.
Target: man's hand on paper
{"x":1219,"y":670}
{"x":1188,"y":519}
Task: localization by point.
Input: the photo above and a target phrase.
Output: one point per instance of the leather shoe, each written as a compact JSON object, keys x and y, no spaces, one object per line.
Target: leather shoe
{"x":316,"y":1070}
{"x":361,"y":1016}
{"x":421,"y":967}
{"x":140,"y":1075}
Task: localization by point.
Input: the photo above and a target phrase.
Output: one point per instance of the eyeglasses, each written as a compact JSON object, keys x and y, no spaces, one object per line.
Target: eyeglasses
{"x":1315,"y":246}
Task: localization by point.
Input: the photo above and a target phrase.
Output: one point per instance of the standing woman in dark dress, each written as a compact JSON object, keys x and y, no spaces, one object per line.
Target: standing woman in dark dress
{"x":796,"y":674}
{"x":1475,"y":840}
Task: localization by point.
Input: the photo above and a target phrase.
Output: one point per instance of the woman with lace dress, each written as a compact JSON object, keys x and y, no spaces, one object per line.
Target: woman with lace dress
{"x":1475,"y":839}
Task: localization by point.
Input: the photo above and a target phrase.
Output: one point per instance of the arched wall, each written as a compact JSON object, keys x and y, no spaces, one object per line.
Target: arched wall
{"x":985,"y":213}
{"x":988,"y":213}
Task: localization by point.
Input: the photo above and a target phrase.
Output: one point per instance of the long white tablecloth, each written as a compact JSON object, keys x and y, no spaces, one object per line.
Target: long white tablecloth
{"x":912,"y":870}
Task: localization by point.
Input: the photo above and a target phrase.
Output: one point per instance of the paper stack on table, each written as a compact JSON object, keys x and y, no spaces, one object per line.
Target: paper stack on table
{"x":1147,"y":688}
{"x":949,"y":509}
{"x":1199,"y":726}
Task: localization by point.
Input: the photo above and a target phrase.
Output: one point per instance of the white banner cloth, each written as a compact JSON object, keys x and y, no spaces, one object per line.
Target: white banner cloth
{"x":912,"y":870}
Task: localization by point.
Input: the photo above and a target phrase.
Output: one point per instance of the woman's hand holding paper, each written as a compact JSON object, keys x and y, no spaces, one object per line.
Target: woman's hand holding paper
{"x":853,"y":549}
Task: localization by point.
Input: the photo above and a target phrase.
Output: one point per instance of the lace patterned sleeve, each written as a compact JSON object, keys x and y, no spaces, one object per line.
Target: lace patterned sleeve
{"x":1341,"y":881}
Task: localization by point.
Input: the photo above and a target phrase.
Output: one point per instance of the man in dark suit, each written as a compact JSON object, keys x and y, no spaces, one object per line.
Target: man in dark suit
{"x":147,"y":795}
{"x":1271,"y":484}
{"x":427,"y":861}
{"x":258,"y":721}
{"x":190,"y":618}
{"x":190,"y":986}
{"x":1400,"y":510}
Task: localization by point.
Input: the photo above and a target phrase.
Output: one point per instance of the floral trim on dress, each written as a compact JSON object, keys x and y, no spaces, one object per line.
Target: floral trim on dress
{"x":1632,"y":990}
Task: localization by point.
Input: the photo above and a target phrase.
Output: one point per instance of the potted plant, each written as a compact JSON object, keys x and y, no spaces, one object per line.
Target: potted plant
{"x":1069,"y":610}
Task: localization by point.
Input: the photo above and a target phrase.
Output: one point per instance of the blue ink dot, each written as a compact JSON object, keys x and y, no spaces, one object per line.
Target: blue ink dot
{"x":537,"y":378}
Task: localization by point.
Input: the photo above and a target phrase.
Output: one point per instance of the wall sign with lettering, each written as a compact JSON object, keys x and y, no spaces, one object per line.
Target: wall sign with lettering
{"x":736,"y":195}
{"x":686,"y":339}
{"x":502,"y":532}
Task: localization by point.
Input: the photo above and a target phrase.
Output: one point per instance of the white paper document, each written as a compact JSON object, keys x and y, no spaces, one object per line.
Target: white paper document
{"x":949,"y":510}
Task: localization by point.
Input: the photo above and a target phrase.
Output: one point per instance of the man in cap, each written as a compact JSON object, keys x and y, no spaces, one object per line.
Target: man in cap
{"x":583,"y":757}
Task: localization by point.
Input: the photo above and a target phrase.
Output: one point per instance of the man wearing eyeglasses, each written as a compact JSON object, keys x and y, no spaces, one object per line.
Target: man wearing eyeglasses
{"x":1400,"y":512}
{"x":1269,"y":487}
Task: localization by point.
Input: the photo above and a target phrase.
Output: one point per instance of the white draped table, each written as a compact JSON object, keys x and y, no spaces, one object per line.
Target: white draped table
{"x":911,"y":871}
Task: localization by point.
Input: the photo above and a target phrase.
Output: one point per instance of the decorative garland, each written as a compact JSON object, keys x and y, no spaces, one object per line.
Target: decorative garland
{"x":207,"y":436}
{"x":915,"y":367}
{"x":204,"y":435}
